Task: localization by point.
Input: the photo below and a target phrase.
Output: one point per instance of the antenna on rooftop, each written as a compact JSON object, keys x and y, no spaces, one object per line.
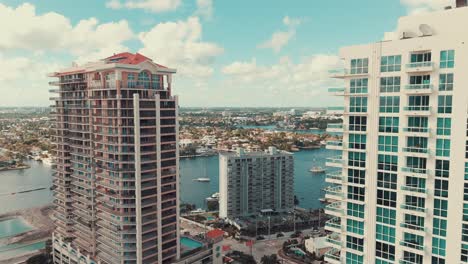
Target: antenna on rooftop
{"x":426,"y":30}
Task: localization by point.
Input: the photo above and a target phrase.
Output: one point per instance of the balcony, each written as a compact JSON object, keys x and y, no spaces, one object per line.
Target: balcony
{"x":334,"y":209}
{"x":335,"y":177}
{"x":414,"y":189}
{"x":335,"y":110}
{"x":420,"y":67}
{"x":417,"y":110}
{"x":346,"y":73}
{"x":412,"y":226}
{"x":333,"y":225}
{"x":334,"y":193}
{"x":337,"y":91}
{"x":407,"y":261}
{"x":413,"y":208}
{"x":334,"y":240}
{"x":424,"y":152}
{"x":333,"y":256}
{"x":335,"y":128}
{"x":419,"y":88}
{"x":412,"y":244}
{"x":336,"y":162}
{"x":420,"y":131}
{"x":335,"y":145}
{"x":418,"y":172}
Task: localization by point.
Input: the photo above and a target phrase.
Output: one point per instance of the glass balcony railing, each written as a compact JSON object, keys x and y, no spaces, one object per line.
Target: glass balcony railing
{"x":333,"y":254}
{"x":420,"y":86}
{"x":412,"y":244}
{"x":335,"y":108}
{"x":335,"y":126}
{"x":334,"y":223}
{"x":421,"y":64}
{"x":416,"y":129}
{"x":334,"y":143}
{"x":336,"y":160}
{"x":334,"y":207}
{"x":334,"y":239}
{"x":413,"y":207}
{"x":406,"y":261}
{"x":413,"y":226}
{"x":334,"y":191}
{"x":414,"y":189}
{"x":337,"y":90}
{"x":417,"y":108}
{"x":337,"y":176}
{"x":416,"y":150}
{"x":414,"y":170}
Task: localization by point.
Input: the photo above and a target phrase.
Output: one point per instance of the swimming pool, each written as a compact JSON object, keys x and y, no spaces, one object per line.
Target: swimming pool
{"x":190,"y":243}
{"x":12,"y":227}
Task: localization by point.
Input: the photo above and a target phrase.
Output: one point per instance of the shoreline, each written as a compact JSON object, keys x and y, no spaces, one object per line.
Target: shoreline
{"x":24,"y":167}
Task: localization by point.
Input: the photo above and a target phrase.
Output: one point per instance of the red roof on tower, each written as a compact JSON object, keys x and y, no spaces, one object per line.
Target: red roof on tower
{"x":129,"y":58}
{"x":215,"y":233}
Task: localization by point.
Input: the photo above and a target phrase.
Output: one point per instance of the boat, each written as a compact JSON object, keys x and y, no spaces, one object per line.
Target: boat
{"x":317,"y":170}
{"x":213,"y":198}
{"x":202,"y":179}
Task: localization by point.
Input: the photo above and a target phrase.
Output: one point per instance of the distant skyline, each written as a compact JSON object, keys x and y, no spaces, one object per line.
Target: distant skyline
{"x":227,"y":53}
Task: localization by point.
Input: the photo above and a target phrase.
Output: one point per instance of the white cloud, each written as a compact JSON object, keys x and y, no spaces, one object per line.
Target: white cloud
{"x":54,"y":32}
{"x":294,"y":83}
{"x":280,"y":39}
{"x":155,"y":6}
{"x":423,"y":6}
{"x":204,"y":8}
{"x":180,"y":45}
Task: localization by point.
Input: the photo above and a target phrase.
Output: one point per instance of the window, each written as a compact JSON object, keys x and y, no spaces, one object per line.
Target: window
{"x":357,"y":123}
{"x":414,"y":201}
{"x":356,"y":193}
{"x":465,"y":192}
{"x":438,"y":246}
{"x":414,"y":221}
{"x":386,"y":215}
{"x":420,"y":81}
{"x":358,"y":104}
{"x":354,"y":226}
{"x":447,"y":59}
{"x":418,"y":103}
{"x":156,"y":81}
{"x":143,"y":80}
{"x":442,"y":168}
{"x":443,"y":147}
{"x":355,"y":243}
{"x":441,"y":188}
{"x":417,"y":124}
{"x":416,"y":144}
{"x":385,"y":233}
{"x":439,"y":227}
{"x":131,"y":80}
{"x":413,"y":240}
{"x":359,"y":66}
{"x":357,"y":159}
{"x":421,"y":57}
{"x":356,"y":210}
{"x":388,"y":143}
{"x":389,"y":104}
{"x":390,"y":84}
{"x":386,"y":180}
{"x":437,"y":260}
{"x":390,"y":63}
{"x":358,"y":86}
{"x":440,"y":207}
{"x":464,"y":253}
{"x":385,"y":251}
{"x":416,"y":182}
{"x":446,"y":82}
{"x":353,"y":258}
{"x":444,"y":104}
{"x":465,"y":212}
{"x":386,"y":198}
{"x":444,"y":126}
{"x":465,"y":232}
{"x":417,"y":164}
{"x":387,"y":162}
{"x":357,"y":176}
{"x":357,"y":141}
{"x":388,"y":124}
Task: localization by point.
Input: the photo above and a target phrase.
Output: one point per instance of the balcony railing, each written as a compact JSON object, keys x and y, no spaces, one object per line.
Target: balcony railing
{"x":334,"y":207}
{"x":413,"y":207}
{"x":343,"y":73}
{"x":334,"y":223}
{"x":411,"y":244}
{"x":416,"y":150}
{"x":416,"y":129}
{"x":413,"y":226}
{"x":417,"y":189}
{"x":335,"y":110}
{"x":335,"y":126}
{"x":423,"y":66}
{"x":335,"y":161}
{"x":336,"y":145}
{"x":334,"y":239}
{"x":423,"y":109}
{"x":337,"y":91}
{"x":415,"y":170}
{"x":333,"y":255}
{"x":334,"y":191}
{"x":336,"y":176}
{"x":419,"y":88}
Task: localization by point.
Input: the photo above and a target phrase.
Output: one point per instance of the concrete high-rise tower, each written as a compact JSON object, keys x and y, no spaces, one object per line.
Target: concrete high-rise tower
{"x":116,"y":176}
{"x":400,"y":188}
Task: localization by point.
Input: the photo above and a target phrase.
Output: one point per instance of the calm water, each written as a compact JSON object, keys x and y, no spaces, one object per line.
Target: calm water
{"x":18,"y":180}
{"x":274,"y":128}
{"x":307,"y":185}
{"x":12,"y":227}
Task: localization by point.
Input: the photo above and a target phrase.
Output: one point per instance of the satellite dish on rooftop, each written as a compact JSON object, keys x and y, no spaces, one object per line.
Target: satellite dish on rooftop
{"x":426,"y":30}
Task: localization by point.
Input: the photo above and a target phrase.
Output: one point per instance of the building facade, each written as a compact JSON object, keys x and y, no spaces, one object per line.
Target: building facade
{"x":253,"y":181}
{"x":116,"y":173}
{"x":401,"y":184}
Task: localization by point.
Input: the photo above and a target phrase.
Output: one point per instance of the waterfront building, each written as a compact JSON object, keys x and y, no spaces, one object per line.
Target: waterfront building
{"x":255,"y":182}
{"x":116,"y":175}
{"x":401,"y":184}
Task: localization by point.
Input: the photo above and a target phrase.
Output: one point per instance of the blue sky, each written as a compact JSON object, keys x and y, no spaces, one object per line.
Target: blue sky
{"x":228,"y":53}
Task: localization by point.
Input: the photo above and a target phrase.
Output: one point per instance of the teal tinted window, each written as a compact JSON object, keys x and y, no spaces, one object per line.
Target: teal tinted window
{"x":389,"y":104}
{"x":447,"y":59}
{"x":444,"y":104}
{"x":390,"y":63}
{"x":446,"y":82}
{"x":443,"y":147}
{"x":385,"y":233}
{"x":444,"y":126}
{"x":358,"y":104}
{"x":390,"y":84}
{"x":439,"y":227}
{"x":358,"y":86}
{"x":388,"y":143}
{"x":388,"y":124}
{"x":353,"y":258}
{"x":359,"y":66}
{"x":440,"y":207}
{"x":386,"y":215}
{"x":438,"y":246}
{"x":354,"y":226}
{"x":356,"y":210}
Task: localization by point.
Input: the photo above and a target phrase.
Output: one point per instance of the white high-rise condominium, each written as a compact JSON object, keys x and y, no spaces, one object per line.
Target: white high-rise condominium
{"x":401,"y":185}
{"x":250,"y":182}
